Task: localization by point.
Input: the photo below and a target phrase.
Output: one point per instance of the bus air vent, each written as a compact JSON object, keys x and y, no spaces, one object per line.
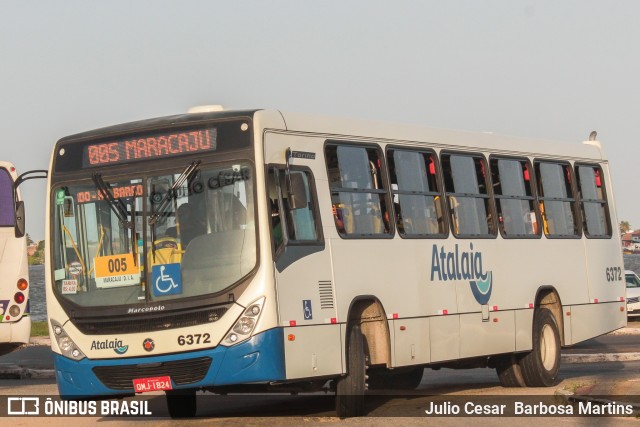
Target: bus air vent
{"x":186,"y":371}
{"x":148,"y":323}
{"x":326,"y":294}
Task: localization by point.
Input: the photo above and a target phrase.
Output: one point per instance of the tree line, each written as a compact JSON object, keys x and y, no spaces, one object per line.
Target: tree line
{"x":38,"y":256}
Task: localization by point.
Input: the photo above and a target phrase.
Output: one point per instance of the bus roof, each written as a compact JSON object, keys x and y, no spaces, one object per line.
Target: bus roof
{"x":363,"y":130}
{"x":441,"y":138}
{"x":156,"y":123}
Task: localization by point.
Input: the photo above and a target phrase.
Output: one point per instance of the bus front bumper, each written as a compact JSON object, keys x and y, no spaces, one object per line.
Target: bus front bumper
{"x":260,"y":359}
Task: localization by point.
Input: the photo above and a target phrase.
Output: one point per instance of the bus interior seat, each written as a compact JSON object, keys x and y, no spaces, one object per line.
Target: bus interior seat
{"x":217,"y":258}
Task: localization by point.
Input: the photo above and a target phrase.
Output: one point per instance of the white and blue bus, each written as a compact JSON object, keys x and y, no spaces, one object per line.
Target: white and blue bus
{"x":15,"y":322}
{"x":280,"y":251}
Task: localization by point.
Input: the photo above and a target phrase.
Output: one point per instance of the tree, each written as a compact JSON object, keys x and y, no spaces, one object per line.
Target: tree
{"x":624,"y":227}
{"x":41,"y":245}
{"x":29,"y":240}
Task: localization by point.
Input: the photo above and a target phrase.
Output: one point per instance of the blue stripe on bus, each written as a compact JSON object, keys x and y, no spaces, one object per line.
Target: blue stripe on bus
{"x":259,"y":359}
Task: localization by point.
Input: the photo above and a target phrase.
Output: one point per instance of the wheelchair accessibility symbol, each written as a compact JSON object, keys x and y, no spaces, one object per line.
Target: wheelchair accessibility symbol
{"x":308,"y":312}
{"x":166,"y":279}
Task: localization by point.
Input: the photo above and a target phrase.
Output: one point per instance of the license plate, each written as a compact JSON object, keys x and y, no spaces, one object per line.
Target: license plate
{"x":143,"y":385}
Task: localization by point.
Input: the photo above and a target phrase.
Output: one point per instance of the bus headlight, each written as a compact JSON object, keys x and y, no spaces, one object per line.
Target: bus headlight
{"x":66,"y":344}
{"x":246,"y":323}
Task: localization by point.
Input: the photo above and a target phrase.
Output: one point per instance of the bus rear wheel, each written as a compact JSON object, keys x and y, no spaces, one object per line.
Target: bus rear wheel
{"x":509,"y":372}
{"x":181,"y":403}
{"x":350,"y":388}
{"x":540,"y":367}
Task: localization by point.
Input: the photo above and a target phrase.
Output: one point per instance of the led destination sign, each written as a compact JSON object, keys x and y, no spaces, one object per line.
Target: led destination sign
{"x":150,"y":147}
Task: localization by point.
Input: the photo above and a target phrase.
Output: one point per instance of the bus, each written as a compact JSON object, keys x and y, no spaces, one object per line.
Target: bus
{"x":258,"y":250}
{"x":15,"y":322}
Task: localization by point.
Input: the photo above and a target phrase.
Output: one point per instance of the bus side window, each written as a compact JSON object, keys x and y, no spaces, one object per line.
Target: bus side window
{"x":514,"y":198}
{"x":467,"y":194}
{"x":359,"y":199}
{"x":556,"y":198}
{"x":416,"y":193}
{"x":593,"y":201}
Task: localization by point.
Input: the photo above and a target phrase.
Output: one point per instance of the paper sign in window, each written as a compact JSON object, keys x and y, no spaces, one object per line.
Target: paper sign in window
{"x":116,"y":270}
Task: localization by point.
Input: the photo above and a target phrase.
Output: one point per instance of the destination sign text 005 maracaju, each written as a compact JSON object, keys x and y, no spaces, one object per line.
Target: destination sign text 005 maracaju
{"x":149,"y":147}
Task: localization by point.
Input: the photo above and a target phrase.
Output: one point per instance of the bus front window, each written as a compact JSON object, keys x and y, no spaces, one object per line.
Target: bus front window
{"x":96,"y":255}
{"x":155,"y":238}
{"x":204,"y":240}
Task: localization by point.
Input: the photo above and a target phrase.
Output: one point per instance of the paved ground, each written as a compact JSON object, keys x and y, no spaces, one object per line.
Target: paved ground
{"x":36,"y":361}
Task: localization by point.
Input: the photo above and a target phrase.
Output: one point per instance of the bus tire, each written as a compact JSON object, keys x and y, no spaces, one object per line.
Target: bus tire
{"x":540,"y":366}
{"x":509,"y":372}
{"x":181,"y":403}
{"x":350,"y":388}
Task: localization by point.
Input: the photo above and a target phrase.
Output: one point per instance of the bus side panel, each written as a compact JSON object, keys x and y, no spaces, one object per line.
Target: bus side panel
{"x":524,"y":328}
{"x":395,"y":271}
{"x":312,"y":351}
{"x":592,"y":320}
{"x":605,"y":269}
{"x":411,"y":341}
{"x":13,"y":252}
{"x":604,"y":261}
{"x":492,"y":337}
{"x":445,"y":338}
{"x":305,"y":290}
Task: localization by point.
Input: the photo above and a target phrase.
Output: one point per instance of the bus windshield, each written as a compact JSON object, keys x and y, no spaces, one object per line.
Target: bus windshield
{"x":142,"y":239}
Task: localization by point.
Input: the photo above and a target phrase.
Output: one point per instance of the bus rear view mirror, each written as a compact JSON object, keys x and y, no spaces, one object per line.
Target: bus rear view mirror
{"x":297,"y":192}
{"x":20,"y":221}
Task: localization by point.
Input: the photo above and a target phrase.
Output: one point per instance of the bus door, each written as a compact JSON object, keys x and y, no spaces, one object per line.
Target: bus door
{"x":306,"y":302}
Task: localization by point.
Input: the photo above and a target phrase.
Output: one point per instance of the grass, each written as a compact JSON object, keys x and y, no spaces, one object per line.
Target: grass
{"x":39,"y":329}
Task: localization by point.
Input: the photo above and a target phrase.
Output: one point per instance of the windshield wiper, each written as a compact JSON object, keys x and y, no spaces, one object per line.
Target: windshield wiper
{"x":116,"y":205}
{"x":162,"y":205}
{"x":134,"y":239}
{"x":186,"y":174}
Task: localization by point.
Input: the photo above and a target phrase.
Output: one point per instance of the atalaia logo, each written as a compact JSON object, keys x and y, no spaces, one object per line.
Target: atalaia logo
{"x":114,"y":344}
{"x":463,"y":265}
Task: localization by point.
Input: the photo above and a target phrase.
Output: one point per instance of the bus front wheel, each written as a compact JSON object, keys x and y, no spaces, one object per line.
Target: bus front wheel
{"x":181,"y":403}
{"x":540,"y":367}
{"x":350,"y":388}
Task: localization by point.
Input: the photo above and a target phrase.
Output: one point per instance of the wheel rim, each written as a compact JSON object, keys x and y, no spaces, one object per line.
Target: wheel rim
{"x":548,"y":347}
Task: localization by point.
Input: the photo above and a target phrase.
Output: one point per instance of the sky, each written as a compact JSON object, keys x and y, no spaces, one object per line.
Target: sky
{"x":542,"y":69}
